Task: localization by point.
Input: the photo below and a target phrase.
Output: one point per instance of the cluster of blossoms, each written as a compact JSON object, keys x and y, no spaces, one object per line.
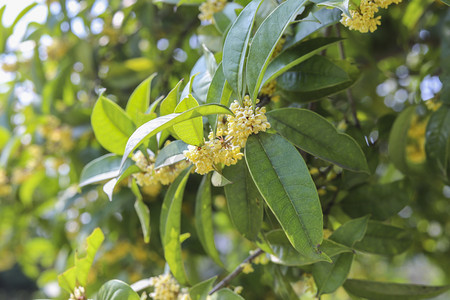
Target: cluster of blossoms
{"x":364,"y":19}
{"x":153,"y":178}
{"x":166,"y":288}
{"x":209,"y":8}
{"x":79,"y":293}
{"x":231,"y":136}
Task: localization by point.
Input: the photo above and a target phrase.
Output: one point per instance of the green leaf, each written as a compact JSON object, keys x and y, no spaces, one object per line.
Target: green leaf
{"x":200,"y":290}
{"x":235,"y":47}
{"x":339,"y":4}
{"x":190,"y":131}
{"x":102,"y":168}
{"x":285,"y":254}
{"x":111,"y":125}
{"x":437,"y":145}
{"x":295,"y":55}
{"x":329,"y":277}
{"x":381,"y":201}
{"x":350,"y":232}
{"x":399,"y":137}
{"x":154,"y":126}
{"x":170,"y":102}
{"x":283,"y":179}
{"x":314,"y":134}
{"x":170,"y":226}
{"x":140,"y":99}
{"x":265,"y":40}
{"x":315,"y":21}
{"x":171,"y":154}
{"x":218,"y":180}
{"x":282,"y":285}
{"x":384,"y":239}
{"x":22,"y":13}
{"x":77,"y":275}
{"x":392,"y":291}
{"x":203,"y":219}
{"x":142,"y":211}
{"x":316,"y":78}
{"x":117,"y":290}
{"x":446,"y":2}
{"x":219,"y":92}
{"x":128,"y":169}
{"x":245,"y":203}
{"x":225,"y":294}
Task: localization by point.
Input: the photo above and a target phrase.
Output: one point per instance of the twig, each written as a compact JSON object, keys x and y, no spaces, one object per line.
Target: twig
{"x":351,"y":100}
{"x":235,"y":273}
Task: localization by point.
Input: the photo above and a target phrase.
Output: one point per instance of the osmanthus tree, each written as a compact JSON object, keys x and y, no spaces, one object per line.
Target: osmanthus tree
{"x":307,"y":195}
{"x":274,"y":171}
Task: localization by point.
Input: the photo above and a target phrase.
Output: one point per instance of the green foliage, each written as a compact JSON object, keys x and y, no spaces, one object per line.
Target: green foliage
{"x":352,"y":171}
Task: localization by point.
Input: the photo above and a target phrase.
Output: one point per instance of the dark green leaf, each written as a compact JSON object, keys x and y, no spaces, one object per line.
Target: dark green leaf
{"x":245,"y":204}
{"x":140,"y":99}
{"x":399,"y":137}
{"x":154,"y":126}
{"x":111,"y":125}
{"x":384,"y":239}
{"x":117,"y":290}
{"x":235,"y":47}
{"x":285,"y":254}
{"x":316,"y":20}
{"x":203,"y":219}
{"x":200,"y":290}
{"x":381,"y":201}
{"x":170,"y":226}
{"x":265,"y":40}
{"x":283,"y":179}
{"x":350,"y":232}
{"x":295,"y":55}
{"x":314,"y":134}
{"x":437,"y":145}
{"x":316,"y":78}
{"x":329,"y":277}
{"x":171,"y":154}
{"x":392,"y":291}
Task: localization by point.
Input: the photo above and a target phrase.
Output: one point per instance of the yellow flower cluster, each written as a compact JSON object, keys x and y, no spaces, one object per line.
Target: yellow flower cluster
{"x":246,"y":121}
{"x":364,"y":19}
{"x":232,"y":135}
{"x":151,"y":177}
{"x":166,"y":288}
{"x":247,"y":268}
{"x":78,"y":294}
{"x":415,"y":150}
{"x":209,"y":8}
{"x":260,"y":259}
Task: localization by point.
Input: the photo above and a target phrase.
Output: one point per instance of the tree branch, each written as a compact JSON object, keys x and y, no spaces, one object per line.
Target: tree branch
{"x":224,"y":282}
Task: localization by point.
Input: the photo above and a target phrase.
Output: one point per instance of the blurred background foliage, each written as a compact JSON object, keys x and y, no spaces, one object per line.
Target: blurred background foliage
{"x":53,"y":68}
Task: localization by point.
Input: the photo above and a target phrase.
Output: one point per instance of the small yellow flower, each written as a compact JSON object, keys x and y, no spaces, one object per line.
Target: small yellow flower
{"x":166,"y":288}
{"x":209,"y":8}
{"x":247,"y":268}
